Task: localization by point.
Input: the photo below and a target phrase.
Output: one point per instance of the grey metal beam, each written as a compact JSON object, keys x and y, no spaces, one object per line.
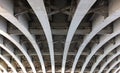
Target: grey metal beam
{"x":112,"y":66}
{"x":116,"y":71}
{"x":103,"y":40}
{"x":4,"y":70}
{"x":96,"y":28}
{"x":21,"y":24}
{"x":40,"y":11}
{"x":10,"y":50}
{"x":60,"y":31}
{"x":3,"y":66}
{"x":15,"y":41}
{"x":12,"y":19}
{"x":108,"y":61}
{"x":114,"y":13}
{"x":7,"y":61}
{"x":87,"y":39}
{"x":82,"y":9}
{"x":108,"y":49}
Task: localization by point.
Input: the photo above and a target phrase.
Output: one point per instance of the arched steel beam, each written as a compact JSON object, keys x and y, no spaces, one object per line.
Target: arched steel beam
{"x":6,"y":60}
{"x":108,"y":49}
{"x":112,"y":66}
{"x":108,"y":61}
{"x":22,"y":26}
{"x":98,"y":26}
{"x":15,"y":40}
{"x":10,"y":50}
{"x":82,"y":9}
{"x":4,"y":70}
{"x":104,"y":39}
{"x":117,"y":70}
{"x":40,"y":11}
{"x":3,"y":67}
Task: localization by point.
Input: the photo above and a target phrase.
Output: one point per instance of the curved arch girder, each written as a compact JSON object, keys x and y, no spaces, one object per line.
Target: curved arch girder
{"x":21,"y":26}
{"x":84,"y":6}
{"x":108,"y":61}
{"x":108,"y":49}
{"x":39,"y":9}
{"x":96,"y":29}
{"x":15,"y":40}
{"x":9,"y":50}
{"x":4,"y":69}
{"x":112,"y":66}
{"x":104,"y":39}
{"x":117,"y":70}
{"x":8,"y":63}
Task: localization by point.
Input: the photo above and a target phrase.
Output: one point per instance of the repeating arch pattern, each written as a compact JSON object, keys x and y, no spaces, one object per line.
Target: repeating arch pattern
{"x":107,"y":50}
{"x":13,"y":55}
{"x":95,"y":48}
{"x":96,"y":29}
{"x":112,"y":66}
{"x":109,"y":60}
{"x":50,"y":36}
{"x":22,"y":28}
{"x":15,"y":41}
{"x":8,"y":63}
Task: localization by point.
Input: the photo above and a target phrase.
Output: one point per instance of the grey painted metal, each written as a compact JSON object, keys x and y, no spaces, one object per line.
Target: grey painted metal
{"x":22,"y":26}
{"x":115,"y":15}
{"x":112,"y":66}
{"x":116,"y":71}
{"x":107,"y":50}
{"x":82,"y":9}
{"x":104,"y":39}
{"x":3,"y":68}
{"x":40,"y":11}
{"x":10,"y":50}
{"x":6,"y":60}
{"x":108,"y":61}
{"x":116,"y":32}
{"x":15,"y":40}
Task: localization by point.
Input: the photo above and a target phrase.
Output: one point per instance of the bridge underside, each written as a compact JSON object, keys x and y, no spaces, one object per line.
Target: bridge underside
{"x":59,"y":36}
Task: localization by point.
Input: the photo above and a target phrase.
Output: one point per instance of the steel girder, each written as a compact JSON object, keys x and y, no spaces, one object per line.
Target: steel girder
{"x":21,"y":24}
{"x":40,"y":11}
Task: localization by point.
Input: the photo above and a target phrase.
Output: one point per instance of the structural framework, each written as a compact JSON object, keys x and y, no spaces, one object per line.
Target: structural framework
{"x":59,"y":36}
